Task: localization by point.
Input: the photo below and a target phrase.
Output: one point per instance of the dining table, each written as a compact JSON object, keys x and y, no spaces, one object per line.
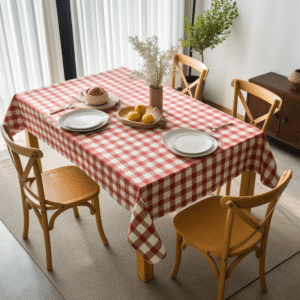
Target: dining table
{"x":134,"y":165}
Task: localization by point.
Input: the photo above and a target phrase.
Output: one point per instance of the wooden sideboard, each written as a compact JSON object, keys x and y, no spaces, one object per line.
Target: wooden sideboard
{"x":285,"y":125}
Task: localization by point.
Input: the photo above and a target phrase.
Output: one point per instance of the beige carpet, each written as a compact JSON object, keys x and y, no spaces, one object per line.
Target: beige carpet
{"x":85,"y":269}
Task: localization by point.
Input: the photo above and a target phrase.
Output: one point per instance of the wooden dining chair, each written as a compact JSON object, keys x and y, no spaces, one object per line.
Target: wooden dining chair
{"x":221,"y":227}
{"x":58,"y":189}
{"x":259,"y":92}
{"x":193,"y":63}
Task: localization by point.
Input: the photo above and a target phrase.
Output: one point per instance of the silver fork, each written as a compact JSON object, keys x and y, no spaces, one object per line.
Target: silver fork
{"x":62,"y":108}
{"x":221,"y":126}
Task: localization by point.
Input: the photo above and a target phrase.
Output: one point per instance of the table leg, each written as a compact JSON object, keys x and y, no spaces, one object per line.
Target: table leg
{"x":247,"y":183}
{"x":145,"y":271}
{"x":33,"y":142}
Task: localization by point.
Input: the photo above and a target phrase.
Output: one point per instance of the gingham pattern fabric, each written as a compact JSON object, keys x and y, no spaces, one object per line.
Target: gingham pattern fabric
{"x":133,"y":165}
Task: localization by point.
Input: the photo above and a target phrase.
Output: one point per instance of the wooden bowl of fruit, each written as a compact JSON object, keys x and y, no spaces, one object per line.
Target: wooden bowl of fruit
{"x":95,"y":96}
{"x":140,"y":116}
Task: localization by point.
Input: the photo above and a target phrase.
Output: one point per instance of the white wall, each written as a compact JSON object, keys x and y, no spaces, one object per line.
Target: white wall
{"x":264,"y":38}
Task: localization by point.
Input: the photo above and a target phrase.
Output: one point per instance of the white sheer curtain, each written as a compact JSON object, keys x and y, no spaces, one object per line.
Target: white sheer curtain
{"x":30,"y":51}
{"x":101,"y":29}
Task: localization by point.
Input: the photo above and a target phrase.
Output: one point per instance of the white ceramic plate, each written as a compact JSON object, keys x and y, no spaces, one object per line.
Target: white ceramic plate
{"x":192,"y":142}
{"x":83,"y":120}
{"x":83,"y":130}
{"x":170,"y":137}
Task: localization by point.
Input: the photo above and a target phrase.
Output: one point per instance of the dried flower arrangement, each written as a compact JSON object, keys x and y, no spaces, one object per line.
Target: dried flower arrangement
{"x":157,"y":63}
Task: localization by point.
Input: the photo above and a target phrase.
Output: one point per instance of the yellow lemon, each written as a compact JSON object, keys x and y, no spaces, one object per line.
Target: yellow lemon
{"x":133,"y":116}
{"x":141,"y":109}
{"x":147,"y":119}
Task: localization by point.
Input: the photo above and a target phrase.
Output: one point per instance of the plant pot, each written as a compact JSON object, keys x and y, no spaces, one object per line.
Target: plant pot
{"x":294,"y":79}
{"x":191,"y":79}
{"x":156,"y":97}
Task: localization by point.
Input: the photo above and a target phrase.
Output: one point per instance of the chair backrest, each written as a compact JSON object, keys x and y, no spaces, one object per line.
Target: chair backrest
{"x":193,"y":63}
{"x":33,"y":154}
{"x":236,"y":206}
{"x":260,"y":92}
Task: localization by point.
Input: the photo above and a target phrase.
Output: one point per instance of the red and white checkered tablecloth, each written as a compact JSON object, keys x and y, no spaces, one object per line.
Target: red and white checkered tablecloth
{"x":133,"y":165}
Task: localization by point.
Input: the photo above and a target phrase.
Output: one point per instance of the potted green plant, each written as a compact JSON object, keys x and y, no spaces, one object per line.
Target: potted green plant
{"x":211,"y":27}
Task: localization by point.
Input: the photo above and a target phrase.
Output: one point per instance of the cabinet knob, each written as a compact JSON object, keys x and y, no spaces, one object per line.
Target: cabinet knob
{"x":276,"y":115}
{"x":285,"y":120}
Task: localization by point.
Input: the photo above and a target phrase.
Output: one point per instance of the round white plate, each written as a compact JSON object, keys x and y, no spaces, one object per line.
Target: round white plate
{"x":83,"y":120}
{"x":192,"y":143}
{"x":171,"y":136}
{"x":83,"y":130}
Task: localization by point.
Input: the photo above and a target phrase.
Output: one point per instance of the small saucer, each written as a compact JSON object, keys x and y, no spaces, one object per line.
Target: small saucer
{"x":113,"y":101}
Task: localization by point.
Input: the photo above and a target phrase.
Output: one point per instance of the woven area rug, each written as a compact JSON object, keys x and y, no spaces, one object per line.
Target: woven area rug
{"x":84,"y":269}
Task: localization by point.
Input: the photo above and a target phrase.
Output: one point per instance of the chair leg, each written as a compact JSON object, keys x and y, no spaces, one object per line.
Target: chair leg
{"x":175,"y":270}
{"x":26,"y":220}
{"x":25,"y":214}
{"x":228,"y":188}
{"x":76,"y":213}
{"x":221,"y":287}
{"x":262,"y":274}
{"x":47,"y":240}
{"x":99,"y":222}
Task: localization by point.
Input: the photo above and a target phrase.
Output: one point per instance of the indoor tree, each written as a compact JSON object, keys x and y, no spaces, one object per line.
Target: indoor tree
{"x":211,"y":26}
